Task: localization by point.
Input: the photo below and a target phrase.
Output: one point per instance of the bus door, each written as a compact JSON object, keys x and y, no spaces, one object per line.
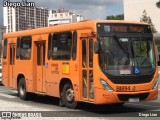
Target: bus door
{"x":40,"y":73}
{"x":87,"y":69}
{"x":11,"y":64}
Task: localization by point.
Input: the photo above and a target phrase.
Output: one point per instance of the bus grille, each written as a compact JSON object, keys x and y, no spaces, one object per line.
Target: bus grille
{"x":125,"y":97}
{"x":131,"y":79}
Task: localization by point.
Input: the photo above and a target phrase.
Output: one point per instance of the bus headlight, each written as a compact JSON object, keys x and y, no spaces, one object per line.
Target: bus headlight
{"x":105,"y":85}
{"x":155,"y":85}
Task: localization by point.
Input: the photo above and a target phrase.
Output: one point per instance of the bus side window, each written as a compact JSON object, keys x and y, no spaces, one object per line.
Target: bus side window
{"x":18,"y":48}
{"x":91,"y":53}
{"x":5,"y":49}
{"x":61,"y":46}
{"x":49,"y":46}
{"x":25,"y":48}
{"x":74,"y":47}
{"x":84,"y":54}
{"x":158,"y":51}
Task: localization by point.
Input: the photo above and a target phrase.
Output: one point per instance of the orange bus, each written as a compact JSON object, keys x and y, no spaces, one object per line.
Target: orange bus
{"x":94,"y":61}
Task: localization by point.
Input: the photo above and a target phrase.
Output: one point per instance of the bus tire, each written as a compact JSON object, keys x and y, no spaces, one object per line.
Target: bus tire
{"x":61,"y":103}
{"x":68,"y":96}
{"x":22,"y":89}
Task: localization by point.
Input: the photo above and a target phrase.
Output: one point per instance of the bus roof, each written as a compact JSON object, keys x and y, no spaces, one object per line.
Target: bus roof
{"x":86,"y":24}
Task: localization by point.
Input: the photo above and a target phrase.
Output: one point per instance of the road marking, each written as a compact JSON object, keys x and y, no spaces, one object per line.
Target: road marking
{"x":8,"y":96}
{"x":3,"y":90}
{"x":144,"y":105}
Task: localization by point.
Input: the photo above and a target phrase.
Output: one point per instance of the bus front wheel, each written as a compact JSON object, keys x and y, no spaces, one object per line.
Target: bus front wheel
{"x":68,"y":96}
{"x":22,"y":89}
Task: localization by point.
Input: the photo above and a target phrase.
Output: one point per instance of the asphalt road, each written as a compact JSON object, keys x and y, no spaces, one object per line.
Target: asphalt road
{"x":48,"y":106}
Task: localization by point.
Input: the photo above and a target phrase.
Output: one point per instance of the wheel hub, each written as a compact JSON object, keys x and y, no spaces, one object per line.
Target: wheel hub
{"x":69,"y":95}
{"x":22,"y":91}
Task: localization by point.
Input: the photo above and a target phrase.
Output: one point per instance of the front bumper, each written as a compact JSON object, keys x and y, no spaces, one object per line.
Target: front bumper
{"x":104,"y":97}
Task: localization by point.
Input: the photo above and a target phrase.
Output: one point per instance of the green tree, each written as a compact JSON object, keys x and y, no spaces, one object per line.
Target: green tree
{"x":147,"y":19}
{"x":158,"y":4}
{"x":115,"y":17}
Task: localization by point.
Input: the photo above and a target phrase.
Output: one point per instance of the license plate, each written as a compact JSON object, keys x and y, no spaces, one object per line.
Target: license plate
{"x":133,"y":100}
{"x":123,"y":88}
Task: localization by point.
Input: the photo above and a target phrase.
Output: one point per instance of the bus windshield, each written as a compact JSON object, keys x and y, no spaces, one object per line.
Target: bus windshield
{"x":121,"y":56}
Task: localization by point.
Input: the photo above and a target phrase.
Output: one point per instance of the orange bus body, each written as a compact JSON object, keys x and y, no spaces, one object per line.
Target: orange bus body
{"x":48,"y":76}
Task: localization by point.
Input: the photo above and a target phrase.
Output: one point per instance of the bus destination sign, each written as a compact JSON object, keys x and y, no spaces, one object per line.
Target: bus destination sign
{"x":122,"y":28}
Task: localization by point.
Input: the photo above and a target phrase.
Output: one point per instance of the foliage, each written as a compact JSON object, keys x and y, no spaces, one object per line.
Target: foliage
{"x":148,"y":20}
{"x":116,"y":17}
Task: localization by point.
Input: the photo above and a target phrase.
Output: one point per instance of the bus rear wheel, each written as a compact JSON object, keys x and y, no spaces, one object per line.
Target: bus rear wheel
{"x":68,"y":96}
{"x":22,"y":89}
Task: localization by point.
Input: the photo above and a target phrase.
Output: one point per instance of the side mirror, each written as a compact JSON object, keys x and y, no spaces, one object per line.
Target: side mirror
{"x":96,"y":47}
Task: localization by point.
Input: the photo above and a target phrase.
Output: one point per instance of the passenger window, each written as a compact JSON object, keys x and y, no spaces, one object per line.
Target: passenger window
{"x":39,"y":55}
{"x":84,"y":54}
{"x":25,"y":48}
{"x":74,"y":48}
{"x":61,"y":46}
{"x":5,"y":49}
{"x":49,"y":46}
{"x":11,"y":56}
{"x":91,"y":53}
{"x":18,"y":48}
